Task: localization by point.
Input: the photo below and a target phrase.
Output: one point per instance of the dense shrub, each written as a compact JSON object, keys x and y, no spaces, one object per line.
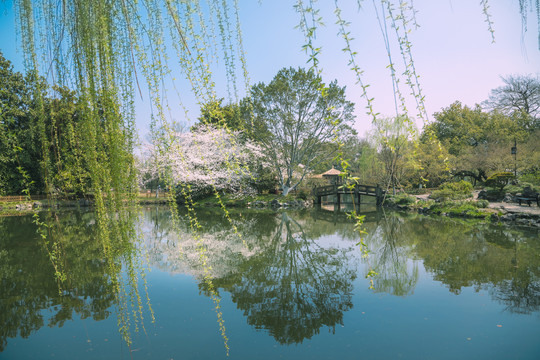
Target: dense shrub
{"x":265,"y":180}
{"x":499,"y":180}
{"x":520,"y":188}
{"x":195,"y":192}
{"x":491,"y":194}
{"x":442,"y":195}
{"x":461,"y":187}
{"x":304,"y":190}
{"x":533,"y":179}
{"x":468,"y":209}
{"x":303,"y":193}
{"x":401,"y":199}
{"x":453,"y":191}
{"x":481,"y":204}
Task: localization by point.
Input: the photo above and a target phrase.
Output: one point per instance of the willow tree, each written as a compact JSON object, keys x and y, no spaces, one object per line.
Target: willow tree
{"x":392,"y":136}
{"x":109,"y":51}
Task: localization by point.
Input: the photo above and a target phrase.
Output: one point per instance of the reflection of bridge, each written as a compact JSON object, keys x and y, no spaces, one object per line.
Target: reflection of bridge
{"x":356,"y":192}
{"x":342,"y":217}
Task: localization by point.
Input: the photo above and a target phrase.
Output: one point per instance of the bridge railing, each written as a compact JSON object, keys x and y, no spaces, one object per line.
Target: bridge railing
{"x":324,"y":189}
{"x":367,"y":189}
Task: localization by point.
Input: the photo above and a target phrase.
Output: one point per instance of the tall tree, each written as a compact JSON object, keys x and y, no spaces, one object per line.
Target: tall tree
{"x":431,"y":167}
{"x":22,"y":159}
{"x":478,"y":142}
{"x":520,"y":97}
{"x":20,"y":152}
{"x":69,"y":170}
{"x":391,"y":136}
{"x":215,"y":114}
{"x":296,"y":114}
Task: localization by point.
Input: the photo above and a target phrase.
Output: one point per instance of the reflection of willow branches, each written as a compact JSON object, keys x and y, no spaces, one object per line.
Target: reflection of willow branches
{"x":160,"y":241}
{"x":123,"y":258}
{"x":295,"y":286}
{"x":195,"y":228}
{"x":117,"y":236}
{"x":27,"y":282}
{"x":391,"y":260}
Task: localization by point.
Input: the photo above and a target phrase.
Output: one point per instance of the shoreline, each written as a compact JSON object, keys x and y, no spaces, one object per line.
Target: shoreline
{"x":495,"y":212}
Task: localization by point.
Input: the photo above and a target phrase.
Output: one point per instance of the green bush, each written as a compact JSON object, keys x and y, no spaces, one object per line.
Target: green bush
{"x":492,"y":194}
{"x":482,"y":204}
{"x":303,"y":193}
{"x":401,"y":199}
{"x":520,"y":188}
{"x":264,"y":181}
{"x":442,"y":195}
{"x":461,"y":187}
{"x":453,"y":191}
{"x":499,"y":180}
{"x":533,"y":178}
{"x":194,"y":192}
{"x":460,"y":208}
{"x":405,"y":199}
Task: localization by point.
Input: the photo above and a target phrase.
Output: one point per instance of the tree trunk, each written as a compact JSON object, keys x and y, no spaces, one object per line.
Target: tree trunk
{"x":287,"y":187}
{"x":286,"y":190}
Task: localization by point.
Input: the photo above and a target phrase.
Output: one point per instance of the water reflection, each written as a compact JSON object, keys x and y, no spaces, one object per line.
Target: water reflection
{"x":503,"y":260}
{"x":286,"y":279}
{"x":291,"y":274}
{"x":396,"y":273}
{"x":294,"y":286}
{"x":278,"y":275}
{"x":28,"y":284}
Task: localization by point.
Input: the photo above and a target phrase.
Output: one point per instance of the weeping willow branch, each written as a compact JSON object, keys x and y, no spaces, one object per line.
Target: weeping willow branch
{"x":99,"y":48}
{"x":488,"y":20}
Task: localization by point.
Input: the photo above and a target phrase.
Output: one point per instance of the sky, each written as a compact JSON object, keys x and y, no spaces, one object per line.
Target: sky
{"x":453,"y":52}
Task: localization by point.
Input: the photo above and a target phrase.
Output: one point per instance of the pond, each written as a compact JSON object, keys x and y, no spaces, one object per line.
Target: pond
{"x":269,"y":285}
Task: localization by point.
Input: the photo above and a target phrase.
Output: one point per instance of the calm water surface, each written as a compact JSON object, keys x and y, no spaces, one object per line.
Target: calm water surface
{"x":291,"y":286}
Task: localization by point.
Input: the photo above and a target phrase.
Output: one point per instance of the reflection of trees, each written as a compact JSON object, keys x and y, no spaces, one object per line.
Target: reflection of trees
{"x":520,"y":293}
{"x":28,"y":285}
{"x":277,"y":273}
{"x":176,"y":249}
{"x":391,"y":253}
{"x":294,"y":286}
{"x":504,"y":260}
{"x":162,"y":248}
{"x":460,"y":254}
{"x":290,"y":284}
{"x":320,"y":220}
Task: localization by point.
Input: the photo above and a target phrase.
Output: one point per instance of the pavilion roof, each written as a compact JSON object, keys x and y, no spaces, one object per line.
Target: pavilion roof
{"x":332,"y":172}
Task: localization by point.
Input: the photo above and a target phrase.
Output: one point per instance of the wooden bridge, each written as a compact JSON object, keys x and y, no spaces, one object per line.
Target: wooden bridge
{"x":356,"y":192}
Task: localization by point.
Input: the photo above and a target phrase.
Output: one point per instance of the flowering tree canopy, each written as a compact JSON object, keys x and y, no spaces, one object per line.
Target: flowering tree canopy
{"x":204,"y":158}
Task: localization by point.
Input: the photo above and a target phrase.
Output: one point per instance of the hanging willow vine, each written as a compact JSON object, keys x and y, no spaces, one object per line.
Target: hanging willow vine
{"x":112,"y":51}
{"x":101,"y":48}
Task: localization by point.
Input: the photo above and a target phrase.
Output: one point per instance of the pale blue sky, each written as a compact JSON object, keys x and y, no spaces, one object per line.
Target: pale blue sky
{"x":453,"y":52}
